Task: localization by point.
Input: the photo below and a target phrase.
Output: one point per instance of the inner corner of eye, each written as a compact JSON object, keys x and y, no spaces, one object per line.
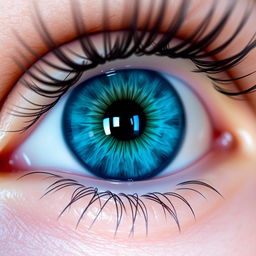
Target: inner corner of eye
{"x":126,"y":124}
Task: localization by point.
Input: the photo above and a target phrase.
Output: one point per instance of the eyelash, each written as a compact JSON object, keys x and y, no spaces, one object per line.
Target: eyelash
{"x":137,"y":203}
{"x":143,"y":41}
{"x":139,"y":42}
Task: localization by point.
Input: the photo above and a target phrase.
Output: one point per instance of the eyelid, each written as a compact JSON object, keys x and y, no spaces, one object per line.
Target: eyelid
{"x":63,"y":30}
{"x":94,"y":24}
{"x":182,"y":30}
{"x":229,"y":112}
{"x":216,"y":103}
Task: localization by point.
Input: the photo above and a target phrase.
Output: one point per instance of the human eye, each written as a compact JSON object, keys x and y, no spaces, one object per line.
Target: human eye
{"x":117,"y":135}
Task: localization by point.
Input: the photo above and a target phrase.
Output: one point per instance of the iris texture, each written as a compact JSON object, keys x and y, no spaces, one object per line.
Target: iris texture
{"x":125,"y":125}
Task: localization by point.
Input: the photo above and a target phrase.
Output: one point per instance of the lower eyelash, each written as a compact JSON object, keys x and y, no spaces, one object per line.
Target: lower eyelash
{"x":137,"y":204}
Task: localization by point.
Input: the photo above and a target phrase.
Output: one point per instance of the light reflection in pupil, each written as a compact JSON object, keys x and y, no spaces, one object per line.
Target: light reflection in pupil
{"x":124,"y":119}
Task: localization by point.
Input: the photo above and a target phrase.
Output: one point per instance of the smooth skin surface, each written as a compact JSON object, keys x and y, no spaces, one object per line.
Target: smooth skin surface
{"x":29,"y":226}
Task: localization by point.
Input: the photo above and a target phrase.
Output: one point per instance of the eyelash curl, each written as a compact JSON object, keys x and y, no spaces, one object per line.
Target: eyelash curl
{"x":137,"y":40}
{"x":134,"y":203}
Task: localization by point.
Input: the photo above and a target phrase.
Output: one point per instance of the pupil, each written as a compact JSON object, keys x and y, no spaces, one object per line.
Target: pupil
{"x":124,"y":119}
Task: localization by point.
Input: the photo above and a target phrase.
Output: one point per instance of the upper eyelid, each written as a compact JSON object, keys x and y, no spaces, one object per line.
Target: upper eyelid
{"x":37,"y":55}
{"x":42,"y":51}
{"x":50,"y":42}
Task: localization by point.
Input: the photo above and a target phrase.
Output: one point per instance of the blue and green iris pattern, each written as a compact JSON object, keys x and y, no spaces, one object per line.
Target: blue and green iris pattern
{"x":126,"y":125}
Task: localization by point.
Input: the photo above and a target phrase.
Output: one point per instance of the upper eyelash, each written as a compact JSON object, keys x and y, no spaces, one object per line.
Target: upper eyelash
{"x":136,"y":203}
{"x":138,"y":41}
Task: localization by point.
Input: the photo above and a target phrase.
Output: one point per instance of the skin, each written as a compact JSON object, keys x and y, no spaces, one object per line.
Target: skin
{"x":223,"y":227}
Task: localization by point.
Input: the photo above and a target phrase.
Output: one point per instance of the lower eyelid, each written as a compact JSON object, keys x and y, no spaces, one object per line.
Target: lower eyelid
{"x":223,"y":174}
{"x":50,"y":207}
{"x":56,"y":234}
{"x":44,"y":212}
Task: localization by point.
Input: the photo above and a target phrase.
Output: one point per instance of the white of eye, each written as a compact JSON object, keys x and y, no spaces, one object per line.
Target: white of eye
{"x":198,"y":134}
{"x":46,"y":149}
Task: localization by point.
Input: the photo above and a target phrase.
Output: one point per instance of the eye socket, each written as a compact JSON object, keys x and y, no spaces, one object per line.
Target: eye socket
{"x":62,"y":156}
{"x":50,"y":138}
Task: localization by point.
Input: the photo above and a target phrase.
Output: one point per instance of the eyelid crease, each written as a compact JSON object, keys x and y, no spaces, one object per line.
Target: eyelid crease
{"x":138,"y":41}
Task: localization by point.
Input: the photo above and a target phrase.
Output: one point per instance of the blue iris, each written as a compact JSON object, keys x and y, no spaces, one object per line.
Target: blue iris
{"x":126,"y":125}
